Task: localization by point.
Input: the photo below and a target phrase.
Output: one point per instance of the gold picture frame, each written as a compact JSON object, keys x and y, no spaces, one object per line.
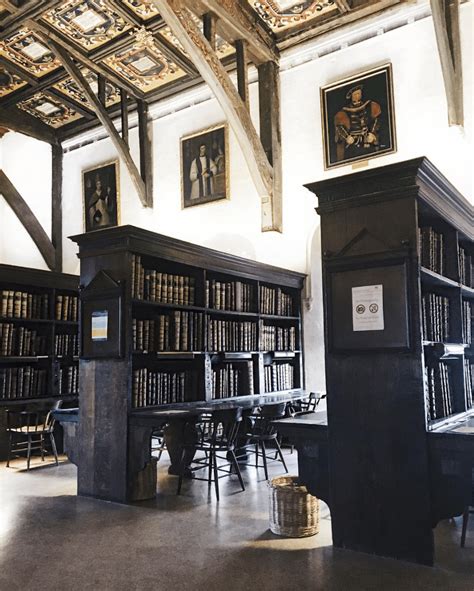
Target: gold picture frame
{"x":358,"y":117}
{"x":101,"y":196}
{"x":205,"y":171}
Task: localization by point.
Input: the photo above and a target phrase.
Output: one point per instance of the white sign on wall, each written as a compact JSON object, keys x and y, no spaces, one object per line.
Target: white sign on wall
{"x":367,"y":308}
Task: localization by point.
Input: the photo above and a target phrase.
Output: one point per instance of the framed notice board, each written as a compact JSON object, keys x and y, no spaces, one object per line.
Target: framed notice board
{"x":101,"y":318}
{"x":368,"y":308}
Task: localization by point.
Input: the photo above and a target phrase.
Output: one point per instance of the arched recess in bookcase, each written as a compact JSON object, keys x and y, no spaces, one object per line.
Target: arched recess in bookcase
{"x":446,"y":258}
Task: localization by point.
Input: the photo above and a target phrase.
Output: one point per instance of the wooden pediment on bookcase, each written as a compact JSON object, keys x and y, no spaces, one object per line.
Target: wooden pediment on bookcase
{"x":102,"y":285}
{"x":364,"y":242}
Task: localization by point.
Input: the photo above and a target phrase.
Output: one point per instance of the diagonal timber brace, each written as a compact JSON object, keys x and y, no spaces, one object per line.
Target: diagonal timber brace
{"x":178,"y":18}
{"x":103,"y":116}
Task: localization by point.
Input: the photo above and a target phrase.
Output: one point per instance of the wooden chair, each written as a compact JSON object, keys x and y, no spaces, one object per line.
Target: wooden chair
{"x":27,"y":432}
{"x":310,"y":403}
{"x":217,"y":435}
{"x":158,"y":443}
{"x":263,"y":432}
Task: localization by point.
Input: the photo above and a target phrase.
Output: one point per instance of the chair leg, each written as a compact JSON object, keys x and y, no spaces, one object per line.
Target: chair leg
{"x":264,"y":456}
{"x":465,"y":519}
{"x":209,"y":474}
{"x":216,"y":476}
{"x":235,"y":464}
{"x":180,"y":482}
{"x":28,"y":454}
{"x":10,"y":439}
{"x":256,"y":455}
{"x":42,"y":447}
{"x":53,"y":445}
{"x":280,"y":453}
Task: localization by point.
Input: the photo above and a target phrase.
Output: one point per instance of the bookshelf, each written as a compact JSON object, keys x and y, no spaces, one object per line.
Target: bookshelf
{"x":191,"y":325}
{"x":407,"y":230}
{"x":38,"y":340}
{"x":39,"y":343}
{"x":200,"y":334}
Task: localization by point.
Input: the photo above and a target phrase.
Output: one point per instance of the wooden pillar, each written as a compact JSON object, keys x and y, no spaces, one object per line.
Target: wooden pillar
{"x":270,"y":131}
{"x":124,"y":114}
{"x":242,"y":70}
{"x":209,"y":28}
{"x":56,"y":206}
{"x":146,"y":156}
{"x":101,"y":88}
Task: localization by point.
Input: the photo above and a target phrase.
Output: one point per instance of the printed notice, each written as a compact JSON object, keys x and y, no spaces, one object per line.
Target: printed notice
{"x":99,"y":321}
{"x":367,"y":308}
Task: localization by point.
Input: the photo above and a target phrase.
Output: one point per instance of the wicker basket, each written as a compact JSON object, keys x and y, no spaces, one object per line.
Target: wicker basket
{"x":294,"y":513}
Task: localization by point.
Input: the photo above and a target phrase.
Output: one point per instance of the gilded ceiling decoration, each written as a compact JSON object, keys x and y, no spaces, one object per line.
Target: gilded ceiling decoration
{"x":143,"y":64}
{"x":144,"y":9}
{"x":90,"y":23}
{"x":9,"y":82}
{"x":223,"y":49}
{"x":71,"y":89}
{"x":282,"y":14}
{"x":30,"y":52}
{"x":50,"y":110}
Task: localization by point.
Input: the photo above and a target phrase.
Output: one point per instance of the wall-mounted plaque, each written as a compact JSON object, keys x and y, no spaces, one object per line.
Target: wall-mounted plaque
{"x":368,"y":308}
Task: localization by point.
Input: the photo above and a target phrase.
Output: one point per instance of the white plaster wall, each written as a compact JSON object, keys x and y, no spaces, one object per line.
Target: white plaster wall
{"x":27,"y":163}
{"x":234,"y":225}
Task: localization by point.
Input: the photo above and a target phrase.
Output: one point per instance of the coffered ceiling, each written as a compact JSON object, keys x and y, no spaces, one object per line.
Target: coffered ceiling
{"x":129,"y":46}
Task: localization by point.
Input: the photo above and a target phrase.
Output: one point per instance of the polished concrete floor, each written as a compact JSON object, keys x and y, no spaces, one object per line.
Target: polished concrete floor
{"x":51,"y":539}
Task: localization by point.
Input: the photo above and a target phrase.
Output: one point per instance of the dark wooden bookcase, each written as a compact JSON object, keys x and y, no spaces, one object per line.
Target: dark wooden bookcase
{"x":38,"y":338}
{"x":195,"y":325}
{"x":403,"y":227}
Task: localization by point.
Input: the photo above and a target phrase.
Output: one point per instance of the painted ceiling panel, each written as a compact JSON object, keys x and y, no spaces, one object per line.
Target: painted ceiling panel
{"x":143,"y":64}
{"x":9,"y":81}
{"x":144,"y":9}
{"x":50,"y":110}
{"x":281,"y":15}
{"x":90,"y":23}
{"x":27,"y":50}
{"x":223,"y":48}
{"x":71,"y":90}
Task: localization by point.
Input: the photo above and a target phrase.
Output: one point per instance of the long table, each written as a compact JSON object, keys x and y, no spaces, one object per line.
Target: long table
{"x":178,"y":419}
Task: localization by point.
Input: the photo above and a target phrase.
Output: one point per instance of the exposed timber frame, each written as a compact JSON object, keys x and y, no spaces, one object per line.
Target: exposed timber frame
{"x":72,"y":69}
{"x":23,"y":212}
{"x":448,"y":38}
{"x":176,"y":15}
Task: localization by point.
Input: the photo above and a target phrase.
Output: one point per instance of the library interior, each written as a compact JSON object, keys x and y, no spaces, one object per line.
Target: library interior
{"x":237,"y":295}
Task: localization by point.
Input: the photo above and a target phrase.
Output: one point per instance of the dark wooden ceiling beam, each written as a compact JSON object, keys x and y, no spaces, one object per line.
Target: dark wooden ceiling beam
{"x":104,"y":118}
{"x":237,"y":20}
{"x":214,"y":74}
{"x":47,"y":34}
{"x":22,"y":122}
{"x":448,"y":38}
{"x":23,"y":212}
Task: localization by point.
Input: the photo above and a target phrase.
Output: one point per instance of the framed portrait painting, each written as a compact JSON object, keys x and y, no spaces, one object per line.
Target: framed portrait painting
{"x":101,"y":196}
{"x":358,"y":117}
{"x":205,"y":166}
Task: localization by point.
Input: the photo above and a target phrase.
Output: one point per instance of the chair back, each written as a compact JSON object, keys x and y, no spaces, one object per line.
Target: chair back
{"x":24,"y":421}
{"x":263,"y":420}
{"x":224,"y":426}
